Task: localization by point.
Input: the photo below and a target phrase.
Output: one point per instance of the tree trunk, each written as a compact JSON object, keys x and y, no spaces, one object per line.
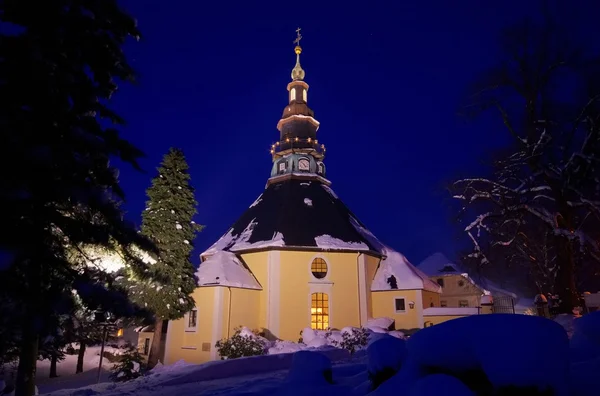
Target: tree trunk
{"x":564,"y":284}
{"x":80,"y":355}
{"x":53,"y":361}
{"x":154,"y":355}
{"x":25,"y":383}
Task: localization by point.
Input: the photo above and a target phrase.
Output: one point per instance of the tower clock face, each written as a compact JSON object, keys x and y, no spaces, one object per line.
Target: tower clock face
{"x":303,"y":165}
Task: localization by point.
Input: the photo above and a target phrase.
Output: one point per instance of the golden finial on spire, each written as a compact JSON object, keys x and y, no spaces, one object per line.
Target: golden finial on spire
{"x":297,"y":72}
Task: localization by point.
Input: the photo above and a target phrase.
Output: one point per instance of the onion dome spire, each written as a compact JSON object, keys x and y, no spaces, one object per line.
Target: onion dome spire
{"x":297,"y":71}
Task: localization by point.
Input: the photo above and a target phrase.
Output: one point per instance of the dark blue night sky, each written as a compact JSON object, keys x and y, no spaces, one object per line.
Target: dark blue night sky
{"x":386,"y":79}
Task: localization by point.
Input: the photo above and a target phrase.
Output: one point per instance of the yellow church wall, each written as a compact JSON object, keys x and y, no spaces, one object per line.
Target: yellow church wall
{"x":258,"y":265}
{"x":372,"y":263}
{"x":240,"y":308}
{"x":384,"y":306}
{"x":430,"y":299}
{"x":297,"y":284}
{"x":195,"y":345}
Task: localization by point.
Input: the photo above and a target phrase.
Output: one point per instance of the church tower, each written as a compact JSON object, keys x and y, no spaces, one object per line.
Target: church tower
{"x":298,"y":152}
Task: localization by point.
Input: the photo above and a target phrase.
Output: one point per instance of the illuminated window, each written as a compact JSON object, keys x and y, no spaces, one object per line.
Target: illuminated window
{"x":319,"y":311}
{"x":120,"y":333}
{"x":319,"y":268}
{"x":304,"y":95}
{"x":293,"y":94}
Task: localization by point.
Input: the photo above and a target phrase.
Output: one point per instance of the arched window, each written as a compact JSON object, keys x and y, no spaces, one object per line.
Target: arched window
{"x":304,"y":95}
{"x":318,"y":267}
{"x":293,"y":94}
{"x":319,"y":311}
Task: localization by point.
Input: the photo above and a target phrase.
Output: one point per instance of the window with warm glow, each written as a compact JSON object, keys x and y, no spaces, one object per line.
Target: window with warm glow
{"x":319,"y":311}
{"x":318,"y":267}
{"x":293,"y":94}
{"x":120,"y":333}
{"x":304,"y":95}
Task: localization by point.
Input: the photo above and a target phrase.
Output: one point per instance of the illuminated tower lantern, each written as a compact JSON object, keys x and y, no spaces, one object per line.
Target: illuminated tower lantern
{"x":298,"y":257}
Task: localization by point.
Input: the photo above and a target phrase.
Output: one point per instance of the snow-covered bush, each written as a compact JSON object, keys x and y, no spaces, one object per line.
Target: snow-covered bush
{"x":385,"y":359}
{"x":129,"y":366}
{"x":353,"y":339}
{"x":244,"y":342}
{"x":535,"y":361}
{"x":310,"y":367}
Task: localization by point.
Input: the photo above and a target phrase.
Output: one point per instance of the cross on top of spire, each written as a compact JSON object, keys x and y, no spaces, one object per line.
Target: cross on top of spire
{"x":298,"y":37}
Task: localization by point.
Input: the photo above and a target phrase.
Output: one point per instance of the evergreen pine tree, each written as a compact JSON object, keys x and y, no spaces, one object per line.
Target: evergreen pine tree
{"x":60,"y":64}
{"x":168,"y":222}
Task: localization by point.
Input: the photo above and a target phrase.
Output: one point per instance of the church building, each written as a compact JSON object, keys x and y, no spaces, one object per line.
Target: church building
{"x":298,"y":257}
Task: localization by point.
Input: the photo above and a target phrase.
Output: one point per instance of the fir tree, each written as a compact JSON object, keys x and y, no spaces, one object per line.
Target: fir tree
{"x":60,"y":63}
{"x":168,"y":222}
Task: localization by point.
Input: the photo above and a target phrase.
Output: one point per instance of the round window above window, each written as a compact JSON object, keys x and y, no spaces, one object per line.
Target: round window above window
{"x":319,"y":268}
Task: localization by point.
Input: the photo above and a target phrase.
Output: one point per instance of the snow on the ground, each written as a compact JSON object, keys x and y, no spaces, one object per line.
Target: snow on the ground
{"x":67,"y":379}
{"x":467,"y":356}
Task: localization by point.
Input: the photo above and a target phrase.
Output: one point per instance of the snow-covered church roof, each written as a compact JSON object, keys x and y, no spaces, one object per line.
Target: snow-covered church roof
{"x":225,"y":269}
{"x":291,"y":214}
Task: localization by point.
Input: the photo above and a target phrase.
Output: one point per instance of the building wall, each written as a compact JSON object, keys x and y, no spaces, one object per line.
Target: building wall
{"x":258,"y":265}
{"x":372,"y":263}
{"x":456,"y":289}
{"x":431,"y":299}
{"x":240,"y":308}
{"x":196,"y":345}
{"x":297,"y":284}
{"x":384,"y":306}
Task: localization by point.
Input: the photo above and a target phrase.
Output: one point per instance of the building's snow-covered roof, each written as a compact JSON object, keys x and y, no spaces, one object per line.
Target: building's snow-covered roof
{"x":295,"y":213}
{"x":438,"y":265}
{"x":226,"y":269}
{"x":405,"y":275}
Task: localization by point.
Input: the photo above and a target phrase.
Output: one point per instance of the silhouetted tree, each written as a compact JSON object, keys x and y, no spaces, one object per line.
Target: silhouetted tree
{"x":541,"y":205}
{"x":60,"y":63}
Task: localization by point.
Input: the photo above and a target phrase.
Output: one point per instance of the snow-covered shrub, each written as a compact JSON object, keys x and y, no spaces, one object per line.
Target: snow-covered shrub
{"x":385,"y":359}
{"x":242,"y":343}
{"x":353,"y":339}
{"x":483,"y":357}
{"x":129,"y":366}
{"x":310,"y":367}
